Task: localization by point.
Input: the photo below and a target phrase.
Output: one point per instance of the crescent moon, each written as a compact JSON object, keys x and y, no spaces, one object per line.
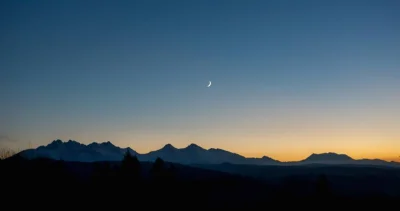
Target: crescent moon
{"x":209,"y":84}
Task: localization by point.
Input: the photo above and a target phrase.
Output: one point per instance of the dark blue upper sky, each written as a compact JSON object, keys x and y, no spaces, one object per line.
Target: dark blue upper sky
{"x":135,"y":73}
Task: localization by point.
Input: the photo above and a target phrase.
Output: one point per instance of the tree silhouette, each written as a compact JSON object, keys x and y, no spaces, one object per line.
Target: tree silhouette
{"x":130,"y":167}
{"x":157,"y":171}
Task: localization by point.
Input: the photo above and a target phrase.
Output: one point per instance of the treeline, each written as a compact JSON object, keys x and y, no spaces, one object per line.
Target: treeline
{"x":130,"y":174}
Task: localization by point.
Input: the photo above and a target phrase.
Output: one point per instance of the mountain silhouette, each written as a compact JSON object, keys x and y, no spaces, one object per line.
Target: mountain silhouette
{"x":75,"y":151}
{"x":329,"y":157}
{"x":192,"y":154}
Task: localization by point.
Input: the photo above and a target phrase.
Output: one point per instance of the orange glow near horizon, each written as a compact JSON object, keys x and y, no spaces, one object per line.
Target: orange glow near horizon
{"x":283,"y":152}
{"x":285,"y":139}
{"x":285,"y":148}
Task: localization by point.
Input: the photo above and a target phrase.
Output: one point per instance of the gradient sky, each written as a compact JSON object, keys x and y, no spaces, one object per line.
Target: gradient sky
{"x":290,"y":78}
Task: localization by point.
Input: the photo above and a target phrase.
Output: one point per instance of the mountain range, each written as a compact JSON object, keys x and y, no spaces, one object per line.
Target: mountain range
{"x":192,"y":154}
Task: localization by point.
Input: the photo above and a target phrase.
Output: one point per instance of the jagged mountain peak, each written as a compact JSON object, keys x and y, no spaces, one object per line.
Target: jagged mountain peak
{"x":56,"y":142}
{"x":73,"y":143}
{"x":107,"y":143}
{"x":266,"y":158}
{"x":59,"y":142}
{"x":168,"y":147}
{"x":193,"y":146}
{"x":217,"y":149}
{"x":93,"y":144}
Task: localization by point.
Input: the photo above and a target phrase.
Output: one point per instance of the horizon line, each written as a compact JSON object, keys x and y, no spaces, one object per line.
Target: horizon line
{"x":250,"y":157}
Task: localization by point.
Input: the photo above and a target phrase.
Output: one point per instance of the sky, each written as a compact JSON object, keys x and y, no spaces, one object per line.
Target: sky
{"x":289,"y":78}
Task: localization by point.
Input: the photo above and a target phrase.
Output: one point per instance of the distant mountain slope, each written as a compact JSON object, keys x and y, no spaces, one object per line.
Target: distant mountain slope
{"x":330,"y":157}
{"x":333,"y":158}
{"x":192,"y":154}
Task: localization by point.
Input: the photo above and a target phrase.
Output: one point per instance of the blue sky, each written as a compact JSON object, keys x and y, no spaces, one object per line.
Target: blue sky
{"x":288,"y":76}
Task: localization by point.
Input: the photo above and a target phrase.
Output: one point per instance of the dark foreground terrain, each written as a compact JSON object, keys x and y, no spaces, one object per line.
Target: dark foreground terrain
{"x":130,"y":183}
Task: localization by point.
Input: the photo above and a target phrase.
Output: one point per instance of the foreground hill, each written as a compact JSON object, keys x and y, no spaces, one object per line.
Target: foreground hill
{"x":168,"y":185}
{"x":344,"y":179}
{"x":109,"y":184}
{"x":192,"y":154}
